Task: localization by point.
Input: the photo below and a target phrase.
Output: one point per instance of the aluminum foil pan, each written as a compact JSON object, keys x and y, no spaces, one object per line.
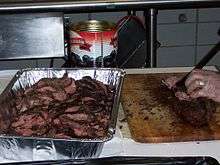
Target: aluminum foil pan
{"x":12,"y":146}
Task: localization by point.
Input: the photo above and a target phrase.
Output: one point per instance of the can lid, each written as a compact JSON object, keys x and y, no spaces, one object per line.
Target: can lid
{"x":92,"y":25}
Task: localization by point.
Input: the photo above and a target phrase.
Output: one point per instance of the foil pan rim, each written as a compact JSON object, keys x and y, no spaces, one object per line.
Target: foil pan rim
{"x":77,"y":68}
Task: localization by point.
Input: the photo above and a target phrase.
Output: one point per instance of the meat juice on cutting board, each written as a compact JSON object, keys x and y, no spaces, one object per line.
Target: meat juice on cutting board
{"x":62,"y":108}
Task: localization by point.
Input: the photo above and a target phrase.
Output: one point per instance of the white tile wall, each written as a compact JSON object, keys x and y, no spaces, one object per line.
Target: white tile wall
{"x":175,"y":56}
{"x":208,"y":33}
{"x":172,"y":16}
{"x":209,"y":15}
{"x":202,"y":50}
{"x":177,"y":34}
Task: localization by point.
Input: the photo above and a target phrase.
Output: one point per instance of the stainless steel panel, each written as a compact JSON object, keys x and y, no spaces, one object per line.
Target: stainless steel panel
{"x":28,"y":36}
{"x":173,"y":16}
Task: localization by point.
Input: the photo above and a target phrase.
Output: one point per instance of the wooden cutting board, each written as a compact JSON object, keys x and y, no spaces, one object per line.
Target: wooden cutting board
{"x":150,"y":119}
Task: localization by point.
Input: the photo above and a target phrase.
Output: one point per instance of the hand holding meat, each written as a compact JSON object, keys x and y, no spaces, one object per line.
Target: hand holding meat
{"x":192,"y":103}
{"x":200,"y":83}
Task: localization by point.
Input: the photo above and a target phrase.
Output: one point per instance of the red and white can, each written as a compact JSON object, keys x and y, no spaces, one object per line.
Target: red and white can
{"x":93,"y":43}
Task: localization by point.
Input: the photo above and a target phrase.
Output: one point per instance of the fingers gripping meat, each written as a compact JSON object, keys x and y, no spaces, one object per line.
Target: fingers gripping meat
{"x":195,"y":110}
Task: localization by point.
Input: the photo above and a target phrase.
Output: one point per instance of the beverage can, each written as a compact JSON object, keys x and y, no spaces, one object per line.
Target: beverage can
{"x":93,"y":43}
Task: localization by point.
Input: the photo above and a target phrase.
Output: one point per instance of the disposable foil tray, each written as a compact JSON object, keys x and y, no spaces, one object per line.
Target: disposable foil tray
{"x":20,"y":148}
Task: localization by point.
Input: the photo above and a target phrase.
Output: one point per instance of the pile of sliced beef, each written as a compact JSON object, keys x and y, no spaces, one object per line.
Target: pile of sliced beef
{"x":63,"y":108}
